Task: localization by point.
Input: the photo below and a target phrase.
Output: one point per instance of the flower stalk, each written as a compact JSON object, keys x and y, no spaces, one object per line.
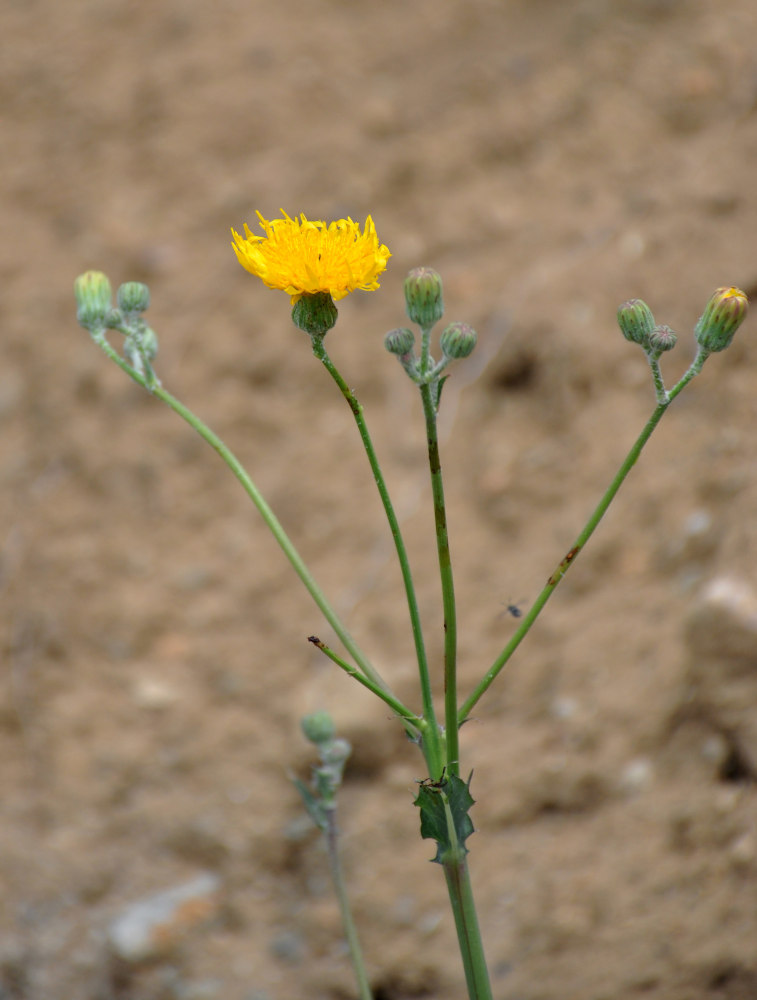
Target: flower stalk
{"x":270,"y":519}
{"x":431,"y":743}
{"x":665,"y":398}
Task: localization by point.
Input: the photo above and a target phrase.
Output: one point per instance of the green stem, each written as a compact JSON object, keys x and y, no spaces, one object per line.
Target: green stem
{"x":570,"y":557}
{"x":331,"y":834}
{"x":659,"y":385}
{"x":432,"y":741}
{"x":468,"y":932}
{"x":270,"y":519}
{"x":394,"y":703}
{"x":447,"y":582}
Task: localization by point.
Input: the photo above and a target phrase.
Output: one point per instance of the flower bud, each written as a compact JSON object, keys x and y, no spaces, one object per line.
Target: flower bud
{"x":318,"y":727}
{"x":423,"y":296}
{"x":458,"y":340}
{"x":335,"y":753}
{"x":315,"y":314}
{"x":133,"y":297}
{"x":400,"y":341}
{"x":148,"y":340}
{"x":636,"y":321}
{"x":722,"y":316}
{"x":93,"y":299}
{"x":662,"y":339}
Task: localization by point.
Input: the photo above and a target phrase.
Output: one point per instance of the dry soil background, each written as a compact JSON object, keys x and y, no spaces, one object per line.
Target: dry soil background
{"x":550,"y":159}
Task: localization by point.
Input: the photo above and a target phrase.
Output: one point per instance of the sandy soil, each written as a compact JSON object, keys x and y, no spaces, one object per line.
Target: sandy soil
{"x":550,"y":159}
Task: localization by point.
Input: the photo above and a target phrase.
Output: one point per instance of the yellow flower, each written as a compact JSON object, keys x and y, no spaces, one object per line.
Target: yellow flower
{"x":302,"y":257}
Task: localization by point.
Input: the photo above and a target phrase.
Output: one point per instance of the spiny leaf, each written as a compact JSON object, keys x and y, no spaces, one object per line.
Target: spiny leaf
{"x":444,"y":809}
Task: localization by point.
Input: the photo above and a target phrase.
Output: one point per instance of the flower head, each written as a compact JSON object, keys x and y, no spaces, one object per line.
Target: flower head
{"x":302,"y":257}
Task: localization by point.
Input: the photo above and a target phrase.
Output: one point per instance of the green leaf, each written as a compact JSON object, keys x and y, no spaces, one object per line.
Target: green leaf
{"x":444,"y":809}
{"x":438,"y":386}
{"x":312,"y":804}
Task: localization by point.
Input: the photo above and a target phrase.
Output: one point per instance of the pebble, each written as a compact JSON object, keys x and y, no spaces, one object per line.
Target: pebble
{"x":636,"y":776}
{"x":723,"y":621}
{"x":721,"y":673}
{"x":152,"y":926}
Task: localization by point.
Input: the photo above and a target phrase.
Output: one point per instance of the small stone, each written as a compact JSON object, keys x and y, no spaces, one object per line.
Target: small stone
{"x":721,"y":676}
{"x":637,"y":775}
{"x":723,"y":623}
{"x":152,"y":926}
{"x":289,"y":946}
{"x":153,"y":693}
{"x":744,"y":850}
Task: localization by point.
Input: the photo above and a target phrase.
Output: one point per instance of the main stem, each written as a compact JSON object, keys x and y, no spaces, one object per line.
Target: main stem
{"x":468,"y":932}
{"x":448,"y":586}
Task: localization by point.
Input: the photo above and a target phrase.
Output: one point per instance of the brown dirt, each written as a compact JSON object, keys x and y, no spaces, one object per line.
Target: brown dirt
{"x":550,"y":159}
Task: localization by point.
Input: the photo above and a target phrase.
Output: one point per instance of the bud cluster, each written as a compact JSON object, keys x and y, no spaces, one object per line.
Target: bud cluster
{"x":425,"y":306}
{"x":723,"y":315}
{"x":95,"y":312}
{"x":320,"y":730}
{"x":714,"y":331}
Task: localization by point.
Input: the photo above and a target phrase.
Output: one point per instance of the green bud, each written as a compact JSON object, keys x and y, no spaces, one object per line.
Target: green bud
{"x":722,"y":316}
{"x":93,"y":299}
{"x":335,"y":753}
{"x":458,"y":340}
{"x":133,"y":297}
{"x":636,"y":321}
{"x":423,"y":296}
{"x":114,"y":320}
{"x":400,"y":341}
{"x":148,"y":340}
{"x":318,"y":727}
{"x":315,"y":314}
{"x":662,"y":339}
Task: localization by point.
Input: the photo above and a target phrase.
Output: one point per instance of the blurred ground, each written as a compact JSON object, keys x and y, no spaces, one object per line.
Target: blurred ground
{"x":550,"y":160}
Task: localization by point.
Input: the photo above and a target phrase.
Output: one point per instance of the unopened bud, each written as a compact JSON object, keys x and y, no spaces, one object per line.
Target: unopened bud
{"x":133,"y":297}
{"x":335,"y":753}
{"x":636,"y":321}
{"x":662,"y":339}
{"x":318,"y":727}
{"x":423,"y":296}
{"x":400,"y":341}
{"x":458,"y":340}
{"x":149,"y":342}
{"x":722,"y":316}
{"x":315,"y":314}
{"x":93,"y":299}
